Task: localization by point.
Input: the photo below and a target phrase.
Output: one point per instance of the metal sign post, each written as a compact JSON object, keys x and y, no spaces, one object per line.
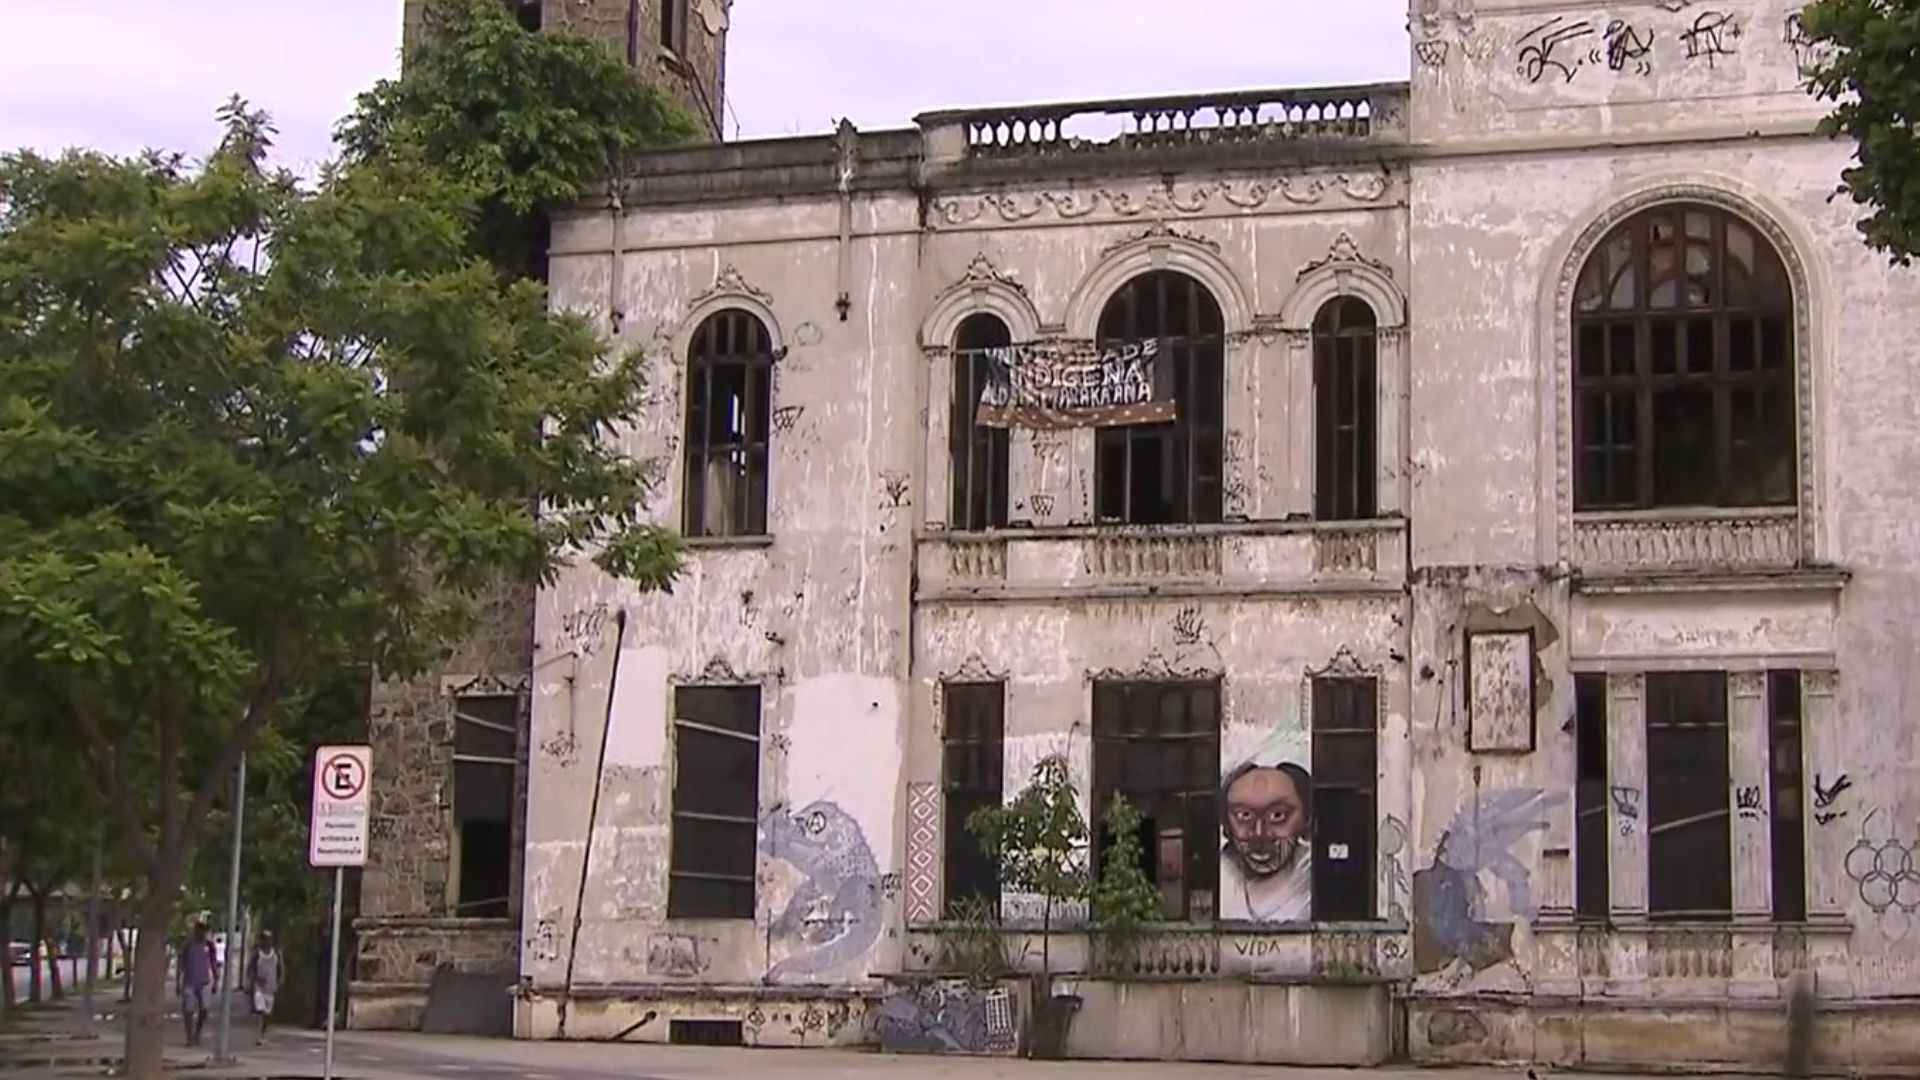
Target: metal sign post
{"x":336,"y":840}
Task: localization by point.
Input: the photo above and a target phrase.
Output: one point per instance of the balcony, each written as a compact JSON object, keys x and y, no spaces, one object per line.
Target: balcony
{"x":1090,"y":562}
{"x":1327,"y":123}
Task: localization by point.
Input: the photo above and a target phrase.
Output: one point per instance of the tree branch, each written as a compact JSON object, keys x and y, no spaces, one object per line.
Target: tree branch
{"x":107,"y":779}
{"x":265,"y":697}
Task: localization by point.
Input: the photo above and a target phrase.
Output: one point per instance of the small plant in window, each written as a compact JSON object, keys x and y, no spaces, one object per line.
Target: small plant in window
{"x":1040,"y":842}
{"x":1123,"y":898}
{"x":971,"y":944}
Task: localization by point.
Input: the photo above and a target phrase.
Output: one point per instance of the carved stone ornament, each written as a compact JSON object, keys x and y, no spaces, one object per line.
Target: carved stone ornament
{"x":1155,"y":666}
{"x":982,"y":274}
{"x":715,"y":15}
{"x":718,"y":670}
{"x":973,"y":669}
{"x":1343,"y":665}
{"x":485,"y":685}
{"x":1345,"y":251}
{"x":1163,"y":199}
{"x":1160,"y":230}
{"x":730,"y":283}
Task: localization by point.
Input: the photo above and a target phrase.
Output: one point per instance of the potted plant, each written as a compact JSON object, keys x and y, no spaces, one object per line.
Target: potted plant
{"x":1040,"y":842}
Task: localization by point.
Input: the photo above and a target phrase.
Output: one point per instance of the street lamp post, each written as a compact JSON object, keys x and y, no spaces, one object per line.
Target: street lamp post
{"x":222,"y":1054}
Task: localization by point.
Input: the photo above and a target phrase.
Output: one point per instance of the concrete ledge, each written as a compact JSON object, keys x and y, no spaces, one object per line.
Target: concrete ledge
{"x":373,"y":1006}
{"x":769,"y":1016}
{"x":1230,"y":1021}
{"x":1866,"y":1037}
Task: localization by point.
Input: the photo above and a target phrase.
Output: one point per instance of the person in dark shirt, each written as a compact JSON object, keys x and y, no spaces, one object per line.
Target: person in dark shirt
{"x":194,"y":979}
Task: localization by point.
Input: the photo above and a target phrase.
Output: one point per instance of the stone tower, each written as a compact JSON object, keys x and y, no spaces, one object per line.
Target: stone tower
{"x":680,"y":44}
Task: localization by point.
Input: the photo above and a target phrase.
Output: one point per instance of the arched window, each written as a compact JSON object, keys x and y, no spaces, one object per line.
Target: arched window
{"x":1345,"y":411}
{"x":1683,"y":366}
{"x":1156,"y":474}
{"x":978,"y":452}
{"x":729,"y":407}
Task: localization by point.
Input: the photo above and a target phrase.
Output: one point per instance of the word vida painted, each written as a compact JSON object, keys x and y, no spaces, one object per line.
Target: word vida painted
{"x":1056,"y":385}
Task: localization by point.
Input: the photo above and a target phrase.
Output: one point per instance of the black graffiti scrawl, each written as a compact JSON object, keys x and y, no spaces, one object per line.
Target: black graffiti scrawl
{"x":834,"y":914}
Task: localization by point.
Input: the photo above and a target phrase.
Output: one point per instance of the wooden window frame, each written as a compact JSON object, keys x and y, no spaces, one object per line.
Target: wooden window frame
{"x":1346,"y":410}
{"x":1197,"y":797}
{"x":694,"y":707}
{"x":977,"y":454}
{"x":1345,"y":889}
{"x":972,"y":774}
{"x":727,"y":344}
{"x":1192,"y":447}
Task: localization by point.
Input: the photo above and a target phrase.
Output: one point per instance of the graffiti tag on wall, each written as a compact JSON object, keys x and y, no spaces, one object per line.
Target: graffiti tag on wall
{"x":947,"y":1018}
{"x":1452,"y":923}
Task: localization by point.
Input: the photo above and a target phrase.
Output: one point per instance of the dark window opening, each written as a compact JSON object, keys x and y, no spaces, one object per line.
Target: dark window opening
{"x":1590,"y":844}
{"x":1169,"y":473}
{"x":706,"y":1033}
{"x":1345,"y":771}
{"x":1787,"y":781}
{"x":972,"y":737}
{"x":1683,"y":366}
{"x":673,"y":25}
{"x":716,"y":802}
{"x":978,"y":453}
{"x":486,"y":748}
{"x":1689,"y":827}
{"x":1158,"y":745}
{"x":729,"y":406}
{"x":1345,"y":411}
{"x":527,"y":13}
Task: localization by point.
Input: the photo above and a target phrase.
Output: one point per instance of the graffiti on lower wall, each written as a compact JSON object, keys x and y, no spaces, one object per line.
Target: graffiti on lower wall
{"x":1454,"y":925}
{"x":833,"y":916}
{"x":947,"y":1017}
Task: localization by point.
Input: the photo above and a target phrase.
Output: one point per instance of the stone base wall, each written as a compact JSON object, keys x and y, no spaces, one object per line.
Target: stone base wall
{"x":396,"y":959}
{"x":789,"y":1017}
{"x":1296,"y":1023}
{"x":1855,"y":1038}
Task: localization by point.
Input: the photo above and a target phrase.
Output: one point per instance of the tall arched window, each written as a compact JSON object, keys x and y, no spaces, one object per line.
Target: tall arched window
{"x":1156,"y":474}
{"x":978,"y":453}
{"x":729,"y":408}
{"x":1345,"y":411}
{"x":1683,"y":366}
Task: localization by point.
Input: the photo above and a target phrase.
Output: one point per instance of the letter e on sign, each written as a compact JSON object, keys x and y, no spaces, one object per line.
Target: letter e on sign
{"x":342,"y":810}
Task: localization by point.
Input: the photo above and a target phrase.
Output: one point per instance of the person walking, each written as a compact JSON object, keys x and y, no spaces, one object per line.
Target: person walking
{"x":193,"y":979}
{"x":263,"y":981}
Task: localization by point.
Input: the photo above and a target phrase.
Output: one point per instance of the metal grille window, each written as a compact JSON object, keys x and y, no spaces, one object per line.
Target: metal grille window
{"x":1158,"y":474}
{"x":1345,"y":804}
{"x":1787,"y":778}
{"x":1684,"y":372}
{"x":1590,"y":844}
{"x":972,"y":737}
{"x":486,"y":745}
{"x":1689,"y":833}
{"x":729,"y":408}
{"x":716,"y":802}
{"x":1345,"y":411}
{"x":1158,"y":744}
{"x":978,"y":453}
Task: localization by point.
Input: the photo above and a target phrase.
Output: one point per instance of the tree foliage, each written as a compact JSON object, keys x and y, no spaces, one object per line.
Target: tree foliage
{"x":530,"y":120}
{"x":1039,"y":841}
{"x":1122,"y":899}
{"x":252,"y":435}
{"x":1866,"y":59}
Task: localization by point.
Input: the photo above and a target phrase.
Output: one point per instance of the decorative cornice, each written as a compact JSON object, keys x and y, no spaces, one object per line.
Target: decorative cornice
{"x":1345,"y":251}
{"x":729,"y":282}
{"x":1161,"y":200}
{"x":1155,"y":666}
{"x":972,"y":670}
{"x":1160,"y":231}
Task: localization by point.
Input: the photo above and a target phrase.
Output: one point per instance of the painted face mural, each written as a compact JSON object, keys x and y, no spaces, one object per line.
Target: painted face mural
{"x":1266,"y":817}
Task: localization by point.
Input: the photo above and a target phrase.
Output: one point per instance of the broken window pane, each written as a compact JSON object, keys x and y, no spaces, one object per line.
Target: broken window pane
{"x":1168,"y":473}
{"x":1158,"y":745}
{"x":729,"y":418}
{"x":972,"y":736}
{"x":977,"y":453}
{"x":716,"y":802}
{"x":1712,"y":337}
{"x":486,"y":738}
{"x":1689,"y":827}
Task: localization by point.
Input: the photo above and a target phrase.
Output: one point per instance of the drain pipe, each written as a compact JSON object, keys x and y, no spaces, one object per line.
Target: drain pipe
{"x":593,"y":817}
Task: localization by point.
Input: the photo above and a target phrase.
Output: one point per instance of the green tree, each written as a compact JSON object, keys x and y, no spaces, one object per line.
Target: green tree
{"x":1040,"y":842}
{"x":1865,"y":57}
{"x":251,"y":434}
{"x":531,"y":120}
{"x":1122,"y":899}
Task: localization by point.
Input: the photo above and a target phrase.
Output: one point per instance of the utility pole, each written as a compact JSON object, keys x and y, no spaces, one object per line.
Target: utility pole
{"x":222,"y":1041}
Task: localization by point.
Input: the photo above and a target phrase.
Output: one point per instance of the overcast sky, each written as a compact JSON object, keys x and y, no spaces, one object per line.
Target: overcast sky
{"x":121,"y":75}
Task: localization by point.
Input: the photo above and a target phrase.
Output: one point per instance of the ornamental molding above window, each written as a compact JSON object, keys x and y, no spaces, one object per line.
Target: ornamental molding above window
{"x":1674,"y":537}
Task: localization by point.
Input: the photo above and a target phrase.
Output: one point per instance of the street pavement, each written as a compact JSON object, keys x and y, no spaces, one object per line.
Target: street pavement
{"x":288,"y":1055}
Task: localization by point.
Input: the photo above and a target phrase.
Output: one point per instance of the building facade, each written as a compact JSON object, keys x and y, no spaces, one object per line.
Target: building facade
{"x":1467,"y":517}
{"x":441,"y":891}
